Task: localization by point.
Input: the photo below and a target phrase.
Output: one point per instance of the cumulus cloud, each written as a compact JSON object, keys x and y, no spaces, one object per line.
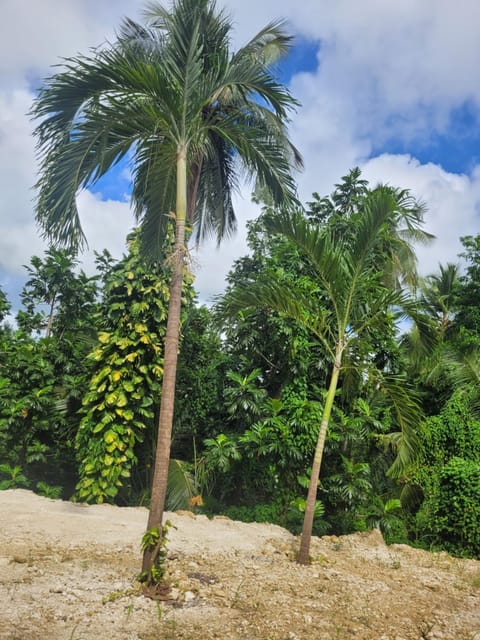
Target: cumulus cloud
{"x":18,"y":235}
{"x":402,"y":65}
{"x":37,"y":34}
{"x":105,"y":223}
{"x":453,"y":203}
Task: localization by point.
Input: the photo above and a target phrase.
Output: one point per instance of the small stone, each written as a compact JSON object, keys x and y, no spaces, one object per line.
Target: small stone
{"x":189,"y":596}
{"x":174,"y":593}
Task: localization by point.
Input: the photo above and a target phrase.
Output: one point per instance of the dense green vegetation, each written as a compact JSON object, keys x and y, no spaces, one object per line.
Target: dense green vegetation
{"x":81,"y":368}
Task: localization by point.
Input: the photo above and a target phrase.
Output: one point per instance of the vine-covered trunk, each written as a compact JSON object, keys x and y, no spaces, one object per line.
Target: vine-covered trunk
{"x":303,"y":553}
{"x":165,"y":422}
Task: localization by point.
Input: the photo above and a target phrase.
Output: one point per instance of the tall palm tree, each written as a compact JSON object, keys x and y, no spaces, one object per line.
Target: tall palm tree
{"x":356,"y":292}
{"x":188,"y":114}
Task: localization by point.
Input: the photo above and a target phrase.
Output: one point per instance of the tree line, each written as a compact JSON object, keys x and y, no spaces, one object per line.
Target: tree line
{"x":260,"y":378}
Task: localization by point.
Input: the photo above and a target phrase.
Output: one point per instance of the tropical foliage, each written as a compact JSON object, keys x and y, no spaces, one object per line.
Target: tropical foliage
{"x":253,"y":385}
{"x":331,"y":389}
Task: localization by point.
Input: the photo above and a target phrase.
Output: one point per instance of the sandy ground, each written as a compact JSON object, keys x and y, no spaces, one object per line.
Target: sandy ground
{"x":67,"y":572}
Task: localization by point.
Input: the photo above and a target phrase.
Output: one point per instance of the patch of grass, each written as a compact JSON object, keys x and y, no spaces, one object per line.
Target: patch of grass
{"x":123,"y":593}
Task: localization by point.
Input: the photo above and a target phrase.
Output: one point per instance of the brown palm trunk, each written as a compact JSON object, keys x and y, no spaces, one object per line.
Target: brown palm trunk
{"x":303,"y":553}
{"x":165,"y":422}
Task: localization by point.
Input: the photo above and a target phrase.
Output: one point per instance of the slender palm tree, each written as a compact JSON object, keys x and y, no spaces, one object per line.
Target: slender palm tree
{"x":188,"y":113}
{"x":357,"y":290}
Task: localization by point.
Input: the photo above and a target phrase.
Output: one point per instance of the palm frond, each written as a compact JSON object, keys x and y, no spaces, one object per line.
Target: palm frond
{"x":291,"y":302}
{"x":268,"y":45}
{"x":180,"y":487}
{"x":408,"y":414}
{"x":217,"y":181}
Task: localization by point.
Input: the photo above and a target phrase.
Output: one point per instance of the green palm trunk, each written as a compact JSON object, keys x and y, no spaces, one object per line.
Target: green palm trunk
{"x":165,"y":422}
{"x":303,"y":552}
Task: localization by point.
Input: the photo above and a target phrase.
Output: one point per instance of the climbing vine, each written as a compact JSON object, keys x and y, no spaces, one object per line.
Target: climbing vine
{"x":120,"y":404}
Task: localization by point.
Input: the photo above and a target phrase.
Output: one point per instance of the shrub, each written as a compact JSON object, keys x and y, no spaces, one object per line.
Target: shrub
{"x":458,"y":513}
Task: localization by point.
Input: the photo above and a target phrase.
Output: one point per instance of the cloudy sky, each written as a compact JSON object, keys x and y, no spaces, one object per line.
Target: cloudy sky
{"x":392,"y":87}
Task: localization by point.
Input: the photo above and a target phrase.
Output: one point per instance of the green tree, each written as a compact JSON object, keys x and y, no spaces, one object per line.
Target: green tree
{"x":42,"y":379}
{"x":59,"y":302}
{"x":188,"y":111}
{"x":32,"y":429}
{"x":202,"y":367}
{"x":4,"y":305}
{"x":467,"y":318}
{"x":259,"y":338}
{"x":357,"y":284}
{"x":54,"y":284}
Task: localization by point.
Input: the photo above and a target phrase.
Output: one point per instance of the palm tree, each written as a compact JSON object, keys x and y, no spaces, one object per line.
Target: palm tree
{"x":438,"y":298}
{"x":439,"y":293}
{"x":357,"y":288}
{"x":188,"y":114}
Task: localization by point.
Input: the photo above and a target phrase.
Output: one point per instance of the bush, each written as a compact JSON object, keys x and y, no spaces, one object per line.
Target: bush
{"x":458,"y":513}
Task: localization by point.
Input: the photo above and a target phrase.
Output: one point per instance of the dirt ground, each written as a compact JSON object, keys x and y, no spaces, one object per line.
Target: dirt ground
{"x":67,"y":572}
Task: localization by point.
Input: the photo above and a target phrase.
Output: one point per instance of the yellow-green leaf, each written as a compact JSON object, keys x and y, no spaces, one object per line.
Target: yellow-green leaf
{"x":110,"y":436}
{"x":122,"y":400}
{"x":111,"y":398}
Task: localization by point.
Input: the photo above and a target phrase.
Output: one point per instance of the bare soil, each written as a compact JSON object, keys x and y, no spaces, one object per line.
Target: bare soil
{"x":67,"y":572}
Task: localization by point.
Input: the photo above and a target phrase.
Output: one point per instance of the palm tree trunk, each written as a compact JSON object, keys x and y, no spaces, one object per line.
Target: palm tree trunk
{"x":165,"y":422}
{"x":303,"y":553}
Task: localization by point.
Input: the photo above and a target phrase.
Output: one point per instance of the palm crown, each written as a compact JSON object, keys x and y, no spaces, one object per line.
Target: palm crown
{"x":168,"y":85}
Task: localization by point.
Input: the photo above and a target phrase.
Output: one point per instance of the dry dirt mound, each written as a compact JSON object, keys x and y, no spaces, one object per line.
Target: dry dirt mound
{"x":67,"y":572}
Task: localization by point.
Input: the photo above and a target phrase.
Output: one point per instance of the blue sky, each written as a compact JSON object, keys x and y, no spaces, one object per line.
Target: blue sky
{"x":391,"y":87}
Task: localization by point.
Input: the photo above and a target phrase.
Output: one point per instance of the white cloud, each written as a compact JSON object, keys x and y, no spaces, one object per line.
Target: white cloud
{"x":453,"y":203}
{"x":106,"y":224}
{"x":402,"y":66}
{"x":36,"y":35}
{"x":18,"y":237}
